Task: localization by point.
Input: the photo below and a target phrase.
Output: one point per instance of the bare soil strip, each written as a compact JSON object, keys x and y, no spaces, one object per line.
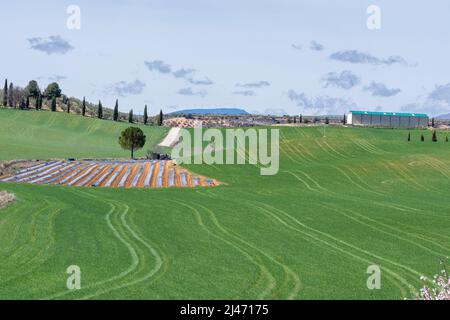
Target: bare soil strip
{"x":116,"y":181}
{"x":140,"y":183}
{"x":154,"y":175}
{"x":108,"y":177}
{"x":165,"y":175}
{"x":96,"y":176}
{"x":134,"y":171}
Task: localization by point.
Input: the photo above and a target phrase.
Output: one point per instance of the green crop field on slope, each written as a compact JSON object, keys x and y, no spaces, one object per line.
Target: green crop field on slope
{"x":44,"y":134}
{"x":339,"y":204}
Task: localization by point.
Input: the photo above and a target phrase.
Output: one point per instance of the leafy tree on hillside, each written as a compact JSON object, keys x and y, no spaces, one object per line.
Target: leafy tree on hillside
{"x":33,"y":89}
{"x":130,"y":116}
{"x":434,"y":137}
{"x":83,"y":107}
{"x":52,"y":91}
{"x":5,"y":93}
{"x":116,"y":111}
{"x":53,"y":105}
{"x":100,"y":110}
{"x":160,"y":118}
{"x":27,"y":103}
{"x":145,"y":115}
{"x":327,"y":121}
{"x":132,"y":139}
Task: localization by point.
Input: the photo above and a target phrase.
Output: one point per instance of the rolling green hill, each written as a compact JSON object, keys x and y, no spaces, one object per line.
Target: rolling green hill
{"x":340,"y":203}
{"x":43,"y":134}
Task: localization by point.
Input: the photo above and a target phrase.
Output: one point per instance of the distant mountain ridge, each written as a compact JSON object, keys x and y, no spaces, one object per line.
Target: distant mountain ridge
{"x":444,"y":116}
{"x":210,"y":111}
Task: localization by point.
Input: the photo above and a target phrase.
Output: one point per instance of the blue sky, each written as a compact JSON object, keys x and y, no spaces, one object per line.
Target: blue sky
{"x":310,"y":57}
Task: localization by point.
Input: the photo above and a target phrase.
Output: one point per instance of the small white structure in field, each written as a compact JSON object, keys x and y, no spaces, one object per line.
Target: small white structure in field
{"x":387,"y":119}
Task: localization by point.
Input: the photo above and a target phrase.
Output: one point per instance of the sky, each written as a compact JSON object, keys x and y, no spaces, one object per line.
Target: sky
{"x":312,"y":57}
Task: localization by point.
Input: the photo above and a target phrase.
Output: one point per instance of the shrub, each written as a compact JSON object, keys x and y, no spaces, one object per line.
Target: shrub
{"x":440,"y":289}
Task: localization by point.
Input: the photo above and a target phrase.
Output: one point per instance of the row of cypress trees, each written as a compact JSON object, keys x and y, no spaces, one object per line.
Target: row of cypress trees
{"x":38,"y":105}
{"x":434,"y":137}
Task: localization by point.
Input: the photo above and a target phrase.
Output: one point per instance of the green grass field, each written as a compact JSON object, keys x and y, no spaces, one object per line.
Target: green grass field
{"x":44,"y":134}
{"x":340,"y":203}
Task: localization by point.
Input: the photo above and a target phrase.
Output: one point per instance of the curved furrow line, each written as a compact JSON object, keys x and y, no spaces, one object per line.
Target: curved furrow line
{"x":358,"y":185}
{"x":16,"y":253}
{"x":340,"y":196}
{"x":288,"y":149}
{"x":371,"y":226}
{"x":362,"y":182}
{"x":38,"y":250}
{"x":317,"y":236}
{"x":342,"y":155}
{"x":265,"y":273}
{"x":118,"y":236}
{"x":5,"y":222}
{"x":289,"y":273}
{"x":157,"y":257}
{"x":297,"y":152}
{"x":326,"y":150}
{"x":306,"y":184}
{"x":414,"y":273}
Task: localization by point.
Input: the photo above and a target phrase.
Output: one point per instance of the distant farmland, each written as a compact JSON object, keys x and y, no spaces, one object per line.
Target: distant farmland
{"x":340,"y":203}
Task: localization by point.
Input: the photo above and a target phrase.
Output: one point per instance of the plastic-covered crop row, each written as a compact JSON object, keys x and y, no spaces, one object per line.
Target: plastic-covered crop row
{"x":113,"y":174}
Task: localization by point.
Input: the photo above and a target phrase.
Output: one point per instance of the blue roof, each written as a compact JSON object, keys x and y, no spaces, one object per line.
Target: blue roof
{"x":399,"y":114}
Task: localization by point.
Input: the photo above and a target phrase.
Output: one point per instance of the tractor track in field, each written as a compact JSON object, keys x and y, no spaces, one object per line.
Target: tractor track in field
{"x":291,"y":276}
{"x":314,"y":186}
{"x":359,"y":185}
{"x":34,"y":253}
{"x":137,"y":246}
{"x":252,"y":257}
{"x":292,"y":223}
{"x":354,"y":216}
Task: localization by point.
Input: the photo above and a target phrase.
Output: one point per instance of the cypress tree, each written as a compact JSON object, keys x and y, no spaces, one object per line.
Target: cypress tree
{"x":40,"y":102}
{"x":53,"y":106}
{"x":300,"y":120}
{"x":446,"y":139}
{"x":434,"y":138}
{"x":344,"y":121}
{"x":160,"y":118}
{"x":83,"y":107}
{"x":36,"y":103}
{"x":100,"y":110}
{"x":11,"y":103}
{"x":5,"y":93}
{"x":116,"y":111}
{"x":130,"y":116}
{"x":68,"y":105}
{"x":409,"y":136}
{"x":145,"y":115}
{"x":432,"y":123}
{"x":27,"y":103}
